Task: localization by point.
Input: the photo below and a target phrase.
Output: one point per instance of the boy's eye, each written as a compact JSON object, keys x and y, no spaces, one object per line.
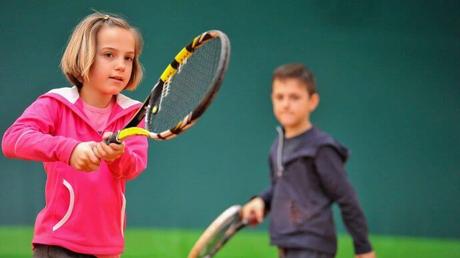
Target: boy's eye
{"x":295,"y":97}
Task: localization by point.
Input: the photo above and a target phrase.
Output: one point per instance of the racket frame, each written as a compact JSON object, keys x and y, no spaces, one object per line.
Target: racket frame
{"x":153,"y":100}
{"x":215,"y":228}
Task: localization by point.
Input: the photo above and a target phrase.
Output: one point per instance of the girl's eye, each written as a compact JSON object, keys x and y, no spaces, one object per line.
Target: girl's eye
{"x":129,"y":58}
{"x":108,"y":54}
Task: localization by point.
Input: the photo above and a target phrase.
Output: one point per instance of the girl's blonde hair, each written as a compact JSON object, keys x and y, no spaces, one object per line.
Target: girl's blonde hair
{"x":80,"y":52}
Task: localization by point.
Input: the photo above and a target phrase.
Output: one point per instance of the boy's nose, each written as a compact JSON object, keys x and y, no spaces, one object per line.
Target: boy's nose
{"x":285,"y":103}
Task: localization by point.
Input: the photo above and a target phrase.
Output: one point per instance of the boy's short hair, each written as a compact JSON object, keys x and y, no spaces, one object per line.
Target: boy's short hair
{"x":296,"y":71}
{"x":80,"y":52}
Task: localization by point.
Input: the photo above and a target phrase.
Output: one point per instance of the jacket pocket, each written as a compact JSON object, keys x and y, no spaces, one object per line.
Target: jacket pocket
{"x":69,"y":209}
{"x":288,"y":216}
{"x":291,"y":211}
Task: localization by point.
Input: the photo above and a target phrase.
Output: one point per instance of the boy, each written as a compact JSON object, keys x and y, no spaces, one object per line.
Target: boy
{"x":307,"y":177}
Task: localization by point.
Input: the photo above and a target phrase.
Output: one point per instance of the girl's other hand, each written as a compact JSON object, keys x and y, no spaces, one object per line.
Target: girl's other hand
{"x":109,"y":152}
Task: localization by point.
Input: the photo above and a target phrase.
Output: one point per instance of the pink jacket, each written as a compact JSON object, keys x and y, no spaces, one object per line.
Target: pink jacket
{"x":84,"y":212}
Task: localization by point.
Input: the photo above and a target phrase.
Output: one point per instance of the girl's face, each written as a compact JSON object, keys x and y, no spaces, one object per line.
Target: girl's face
{"x":111,"y":70}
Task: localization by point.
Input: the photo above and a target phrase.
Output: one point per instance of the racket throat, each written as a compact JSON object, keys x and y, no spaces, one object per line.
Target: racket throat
{"x":154,"y":105}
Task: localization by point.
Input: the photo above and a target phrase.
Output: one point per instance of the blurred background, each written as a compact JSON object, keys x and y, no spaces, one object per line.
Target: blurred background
{"x":387,"y":73}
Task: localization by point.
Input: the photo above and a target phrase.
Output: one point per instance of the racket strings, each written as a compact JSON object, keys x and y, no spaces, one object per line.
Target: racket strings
{"x":165,"y":91}
{"x":188,"y":87}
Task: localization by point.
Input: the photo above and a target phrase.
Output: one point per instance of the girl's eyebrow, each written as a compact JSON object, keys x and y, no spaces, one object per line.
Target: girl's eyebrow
{"x":115,"y":49}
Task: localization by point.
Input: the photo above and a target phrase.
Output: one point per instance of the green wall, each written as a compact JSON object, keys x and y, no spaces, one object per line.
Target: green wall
{"x":388,"y":77}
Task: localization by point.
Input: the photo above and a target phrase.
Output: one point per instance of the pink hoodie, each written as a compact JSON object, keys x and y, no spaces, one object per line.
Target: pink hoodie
{"x":84,"y":212}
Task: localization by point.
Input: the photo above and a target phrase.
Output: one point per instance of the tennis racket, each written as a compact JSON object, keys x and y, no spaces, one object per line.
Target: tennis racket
{"x":184,"y":90}
{"x":226,"y":225}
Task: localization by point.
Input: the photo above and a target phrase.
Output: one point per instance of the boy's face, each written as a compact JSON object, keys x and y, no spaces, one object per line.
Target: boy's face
{"x":292,"y":104}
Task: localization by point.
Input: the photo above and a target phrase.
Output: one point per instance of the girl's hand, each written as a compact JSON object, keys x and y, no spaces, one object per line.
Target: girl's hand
{"x":83,"y":157}
{"x":109,"y":152}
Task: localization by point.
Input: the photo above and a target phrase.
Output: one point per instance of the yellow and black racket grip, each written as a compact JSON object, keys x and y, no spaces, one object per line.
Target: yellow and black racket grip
{"x":119,"y":136}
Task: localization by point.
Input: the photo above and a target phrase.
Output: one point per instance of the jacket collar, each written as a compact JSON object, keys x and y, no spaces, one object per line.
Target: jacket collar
{"x":307,"y":145}
{"x":70,"y":97}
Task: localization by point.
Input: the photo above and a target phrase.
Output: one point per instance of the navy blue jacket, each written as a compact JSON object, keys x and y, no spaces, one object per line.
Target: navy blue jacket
{"x":305,"y":182}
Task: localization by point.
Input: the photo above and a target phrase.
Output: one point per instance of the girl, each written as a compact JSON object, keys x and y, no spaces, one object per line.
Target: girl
{"x":84,"y":215}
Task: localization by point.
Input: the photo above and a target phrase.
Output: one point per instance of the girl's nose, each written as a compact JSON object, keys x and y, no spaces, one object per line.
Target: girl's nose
{"x":120,"y":65}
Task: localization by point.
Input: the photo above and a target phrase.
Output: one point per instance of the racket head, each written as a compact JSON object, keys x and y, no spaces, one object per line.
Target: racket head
{"x":224,"y":227}
{"x":185,"y":89}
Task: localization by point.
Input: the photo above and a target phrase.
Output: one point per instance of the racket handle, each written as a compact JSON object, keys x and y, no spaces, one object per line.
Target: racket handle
{"x":112,"y":139}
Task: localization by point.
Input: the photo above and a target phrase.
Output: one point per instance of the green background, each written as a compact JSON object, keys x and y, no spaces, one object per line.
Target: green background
{"x":387,"y":73}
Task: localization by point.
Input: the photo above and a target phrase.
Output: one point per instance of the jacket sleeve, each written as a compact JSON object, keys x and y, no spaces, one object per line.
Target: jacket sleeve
{"x":334,"y":180}
{"x":267,"y":195}
{"x":31,"y":137}
{"x":134,"y":159}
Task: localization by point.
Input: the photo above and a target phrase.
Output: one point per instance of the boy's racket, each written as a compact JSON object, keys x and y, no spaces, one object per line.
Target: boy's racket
{"x":218,"y":233}
{"x":184,"y":91}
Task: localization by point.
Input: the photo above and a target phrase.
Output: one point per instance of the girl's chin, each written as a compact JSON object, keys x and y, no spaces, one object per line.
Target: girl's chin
{"x":114,"y":90}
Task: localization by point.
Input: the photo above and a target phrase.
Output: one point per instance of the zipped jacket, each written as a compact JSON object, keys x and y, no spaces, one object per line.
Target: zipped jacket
{"x":306,"y":179}
{"x":84,"y":211}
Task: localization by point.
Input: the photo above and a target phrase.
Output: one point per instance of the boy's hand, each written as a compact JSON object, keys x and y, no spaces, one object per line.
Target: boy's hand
{"x":253,"y":211}
{"x":366,"y":255}
{"x":83,"y":158}
{"x":109,"y":152}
